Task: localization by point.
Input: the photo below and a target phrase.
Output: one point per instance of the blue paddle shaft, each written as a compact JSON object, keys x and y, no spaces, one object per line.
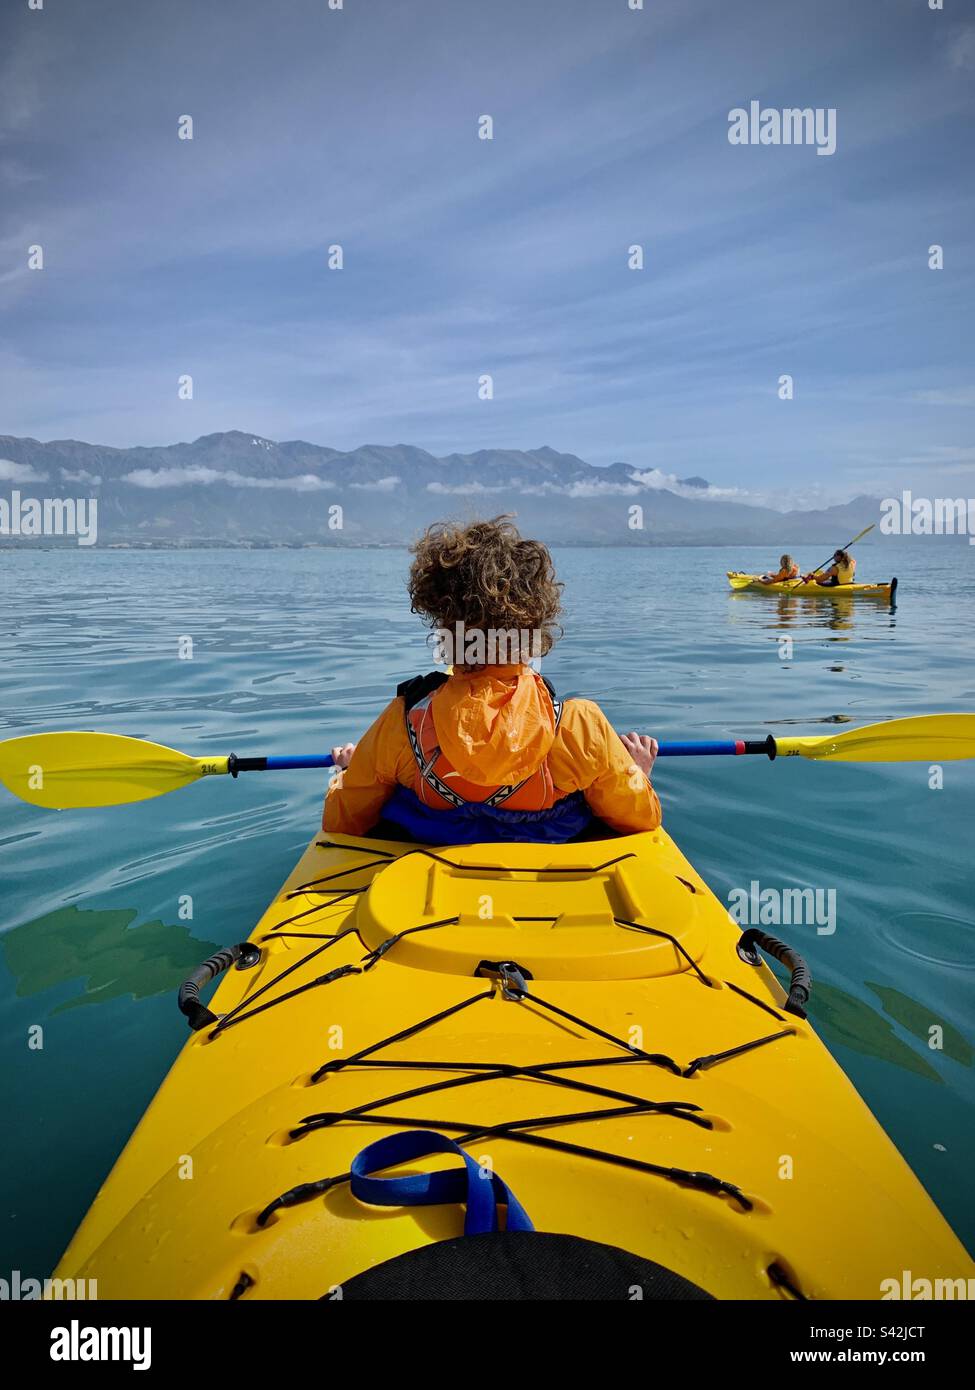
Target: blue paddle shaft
{"x":236,"y":765}
{"x":706,"y":748}
{"x":283,"y":764}
{"x":701,"y":748}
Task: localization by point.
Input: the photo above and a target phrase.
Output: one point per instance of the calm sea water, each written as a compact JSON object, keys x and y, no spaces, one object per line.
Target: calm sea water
{"x":296,"y":650}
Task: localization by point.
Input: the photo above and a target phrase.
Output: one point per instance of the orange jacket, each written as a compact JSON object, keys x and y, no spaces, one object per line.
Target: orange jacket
{"x":495,"y":726}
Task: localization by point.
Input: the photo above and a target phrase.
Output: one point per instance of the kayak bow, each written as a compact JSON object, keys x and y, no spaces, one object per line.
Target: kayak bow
{"x":583,"y":1022}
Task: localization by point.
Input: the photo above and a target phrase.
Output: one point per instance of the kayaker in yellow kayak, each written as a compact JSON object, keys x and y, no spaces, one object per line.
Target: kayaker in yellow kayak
{"x":841,"y":571}
{"x":490,"y":752}
{"x":788,"y":569}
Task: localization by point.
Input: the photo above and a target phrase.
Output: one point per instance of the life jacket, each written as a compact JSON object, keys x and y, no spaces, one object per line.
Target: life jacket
{"x":844,"y":573}
{"x":448,"y":809}
{"x":438,"y":785}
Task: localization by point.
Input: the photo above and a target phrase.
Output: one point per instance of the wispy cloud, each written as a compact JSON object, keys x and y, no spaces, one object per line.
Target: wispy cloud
{"x":389,"y":484}
{"x":27,"y":56}
{"x":468,"y":489}
{"x":11,"y":472}
{"x":961,"y":49}
{"x":79,"y":475}
{"x":963,"y":395}
{"x":198,"y":475}
{"x":596,"y":488}
{"x":805,"y":494}
{"x":655,"y":478}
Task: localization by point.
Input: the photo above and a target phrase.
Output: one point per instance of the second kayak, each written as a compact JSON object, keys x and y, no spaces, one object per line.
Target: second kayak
{"x":577,"y":1035}
{"x":753,"y":583}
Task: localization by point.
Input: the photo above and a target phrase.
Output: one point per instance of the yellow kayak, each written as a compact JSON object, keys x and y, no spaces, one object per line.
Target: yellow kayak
{"x":753,"y":583}
{"x":585,"y":1022}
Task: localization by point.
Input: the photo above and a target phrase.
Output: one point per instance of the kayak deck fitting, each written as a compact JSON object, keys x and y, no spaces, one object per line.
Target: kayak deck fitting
{"x":578,"y":1018}
{"x":753,"y":584}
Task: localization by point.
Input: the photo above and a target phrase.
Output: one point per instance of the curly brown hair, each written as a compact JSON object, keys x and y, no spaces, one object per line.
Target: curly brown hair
{"x":486,"y":576}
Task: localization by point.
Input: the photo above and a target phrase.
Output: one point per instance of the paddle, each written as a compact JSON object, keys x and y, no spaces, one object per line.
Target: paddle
{"x":800,"y":579}
{"x":67,"y":770}
{"x":62,"y":771}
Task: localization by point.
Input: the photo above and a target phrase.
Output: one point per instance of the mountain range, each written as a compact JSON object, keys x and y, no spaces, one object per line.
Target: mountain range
{"x":235,"y":488}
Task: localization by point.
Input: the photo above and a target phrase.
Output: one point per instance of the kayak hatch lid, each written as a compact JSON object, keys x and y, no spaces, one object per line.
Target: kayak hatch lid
{"x":560,"y":911}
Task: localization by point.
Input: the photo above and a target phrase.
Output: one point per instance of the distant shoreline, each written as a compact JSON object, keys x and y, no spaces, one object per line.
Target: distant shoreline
{"x":129,"y":547}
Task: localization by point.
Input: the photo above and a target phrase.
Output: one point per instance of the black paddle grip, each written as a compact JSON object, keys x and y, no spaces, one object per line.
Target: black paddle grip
{"x":761,"y":745}
{"x":236,"y":765}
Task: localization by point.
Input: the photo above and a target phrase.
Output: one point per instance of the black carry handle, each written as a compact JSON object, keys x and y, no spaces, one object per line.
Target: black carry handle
{"x":800,"y":986}
{"x":245,"y":953}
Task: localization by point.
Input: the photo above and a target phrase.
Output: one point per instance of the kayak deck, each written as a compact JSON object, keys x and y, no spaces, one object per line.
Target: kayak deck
{"x":752,"y":583}
{"x":646,"y":1053}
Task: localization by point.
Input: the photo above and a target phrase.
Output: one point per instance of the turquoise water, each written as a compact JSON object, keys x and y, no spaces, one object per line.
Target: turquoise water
{"x":296,"y":650}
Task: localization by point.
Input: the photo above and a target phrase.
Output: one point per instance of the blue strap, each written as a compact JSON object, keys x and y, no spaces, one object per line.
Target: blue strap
{"x":481,"y":1191}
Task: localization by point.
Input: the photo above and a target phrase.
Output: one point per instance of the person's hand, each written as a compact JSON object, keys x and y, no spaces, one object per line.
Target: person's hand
{"x":341,"y":757}
{"x":642,"y":749}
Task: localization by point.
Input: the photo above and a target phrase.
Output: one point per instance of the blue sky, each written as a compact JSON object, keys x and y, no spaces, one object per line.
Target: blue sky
{"x":507,"y":257}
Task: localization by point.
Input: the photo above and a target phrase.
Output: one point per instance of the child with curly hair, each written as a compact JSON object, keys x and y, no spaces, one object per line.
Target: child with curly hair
{"x":489,"y":752}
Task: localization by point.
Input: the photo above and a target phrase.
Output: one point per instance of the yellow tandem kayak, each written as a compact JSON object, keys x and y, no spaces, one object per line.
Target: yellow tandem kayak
{"x":753,"y":583}
{"x":590,"y":1027}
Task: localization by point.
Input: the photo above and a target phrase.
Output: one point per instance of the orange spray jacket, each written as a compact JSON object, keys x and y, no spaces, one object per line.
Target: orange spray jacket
{"x":496,"y":727}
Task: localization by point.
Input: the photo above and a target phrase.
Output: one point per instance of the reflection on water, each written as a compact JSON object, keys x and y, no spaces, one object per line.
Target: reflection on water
{"x":919,"y":1019}
{"x":102,"y":950}
{"x":837,"y":612}
{"x":823,"y":719}
{"x":842,"y":1018}
{"x":802,"y":623}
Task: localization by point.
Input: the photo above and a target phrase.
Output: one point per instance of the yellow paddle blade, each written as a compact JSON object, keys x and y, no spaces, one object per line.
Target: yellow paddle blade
{"x":64,"y":770}
{"x":924,"y":738}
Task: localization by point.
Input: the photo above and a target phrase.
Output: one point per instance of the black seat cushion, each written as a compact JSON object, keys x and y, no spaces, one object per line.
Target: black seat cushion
{"x":516,"y":1266}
